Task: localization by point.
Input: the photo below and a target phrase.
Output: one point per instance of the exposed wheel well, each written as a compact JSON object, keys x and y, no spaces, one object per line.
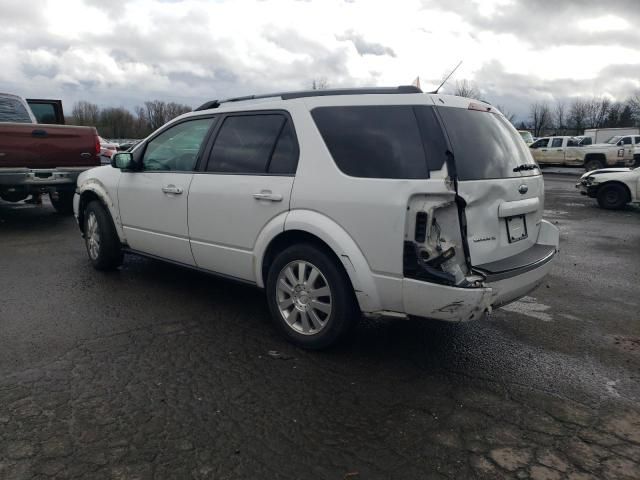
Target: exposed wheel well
{"x":292,"y":237}
{"x":620,"y":184}
{"x":85,"y":199}
{"x":595,"y":156}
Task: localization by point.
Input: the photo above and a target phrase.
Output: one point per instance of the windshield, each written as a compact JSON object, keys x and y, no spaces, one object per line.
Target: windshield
{"x":485,"y":145}
{"x":613,"y":140}
{"x":526,"y":136}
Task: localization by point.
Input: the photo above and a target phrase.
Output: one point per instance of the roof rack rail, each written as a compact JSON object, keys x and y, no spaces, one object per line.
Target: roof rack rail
{"x":402,"y":89}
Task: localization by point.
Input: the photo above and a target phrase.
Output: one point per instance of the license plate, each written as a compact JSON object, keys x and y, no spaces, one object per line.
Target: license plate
{"x":516,"y":228}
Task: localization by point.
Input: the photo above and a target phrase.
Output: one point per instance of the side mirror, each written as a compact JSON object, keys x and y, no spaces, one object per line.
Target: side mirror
{"x":122,"y":160}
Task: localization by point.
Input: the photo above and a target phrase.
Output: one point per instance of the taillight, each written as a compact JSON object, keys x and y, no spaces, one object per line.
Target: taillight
{"x":97,"y":146}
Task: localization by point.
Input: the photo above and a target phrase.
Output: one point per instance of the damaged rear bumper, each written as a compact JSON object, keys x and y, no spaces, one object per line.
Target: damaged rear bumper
{"x":505,"y":281}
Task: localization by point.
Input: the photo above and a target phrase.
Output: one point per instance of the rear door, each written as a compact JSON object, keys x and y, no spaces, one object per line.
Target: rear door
{"x":504,"y":203}
{"x":245,"y":183}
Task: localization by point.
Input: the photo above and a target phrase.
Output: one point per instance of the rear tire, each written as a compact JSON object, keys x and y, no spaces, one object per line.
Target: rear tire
{"x":101,"y":238}
{"x":310,"y":297}
{"x":612,"y":197}
{"x":63,"y":202}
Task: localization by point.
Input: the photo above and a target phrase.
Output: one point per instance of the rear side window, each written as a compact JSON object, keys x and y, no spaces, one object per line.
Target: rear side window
{"x":12,"y":110}
{"x":254,"y":144}
{"x":485,"y":145}
{"x":557,"y":142}
{"x":373,"y":141}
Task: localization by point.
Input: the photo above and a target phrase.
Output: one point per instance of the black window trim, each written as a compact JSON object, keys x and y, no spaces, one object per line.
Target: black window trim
{"x":201,"y":167}
{"x":138,"y":153}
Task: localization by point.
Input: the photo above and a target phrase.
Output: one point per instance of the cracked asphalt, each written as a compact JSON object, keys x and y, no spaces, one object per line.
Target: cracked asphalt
{"x":159,"y":372}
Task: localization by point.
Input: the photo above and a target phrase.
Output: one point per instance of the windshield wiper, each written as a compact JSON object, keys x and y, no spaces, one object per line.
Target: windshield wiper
{"x":525,"y":166}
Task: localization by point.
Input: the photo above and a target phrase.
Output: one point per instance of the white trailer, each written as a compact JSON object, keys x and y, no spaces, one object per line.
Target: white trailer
{"x":601,"y":135}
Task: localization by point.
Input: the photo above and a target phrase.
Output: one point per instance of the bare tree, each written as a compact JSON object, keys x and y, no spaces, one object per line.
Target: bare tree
{"x":560,"y":117}
{"x":156,"y":113}
{"x":509,"y":115}
{"x":174,"y":110}
{"x":464,"y":88}
{"x":320,"y":83}
{"x":596,"y":111}
{"x":85,"y":113}
{"x":116,"y":123}
{"x":578,"y":115}
{"x":540,"y":114}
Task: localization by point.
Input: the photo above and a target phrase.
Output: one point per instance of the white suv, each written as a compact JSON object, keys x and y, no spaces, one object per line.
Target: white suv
{"x":385,"y":201}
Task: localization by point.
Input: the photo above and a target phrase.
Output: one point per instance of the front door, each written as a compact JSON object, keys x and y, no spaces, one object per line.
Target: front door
{"x":246,"y":183}
{"x":153,"y":202}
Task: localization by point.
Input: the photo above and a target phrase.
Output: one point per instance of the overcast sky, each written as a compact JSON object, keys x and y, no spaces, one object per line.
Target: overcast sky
{"x":123,"y":52}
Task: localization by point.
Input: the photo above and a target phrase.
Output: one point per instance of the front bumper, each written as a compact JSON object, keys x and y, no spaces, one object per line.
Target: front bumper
{"x":505,"y":282}
{"x":590,"y":190}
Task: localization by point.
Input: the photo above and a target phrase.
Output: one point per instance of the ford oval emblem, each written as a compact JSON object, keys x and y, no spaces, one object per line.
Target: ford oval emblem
{"x":523,"y":189}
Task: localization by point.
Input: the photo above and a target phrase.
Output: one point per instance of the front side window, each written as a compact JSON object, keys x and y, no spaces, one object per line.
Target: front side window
{"x":258,"y":143}
{"x":626,"y":141}
{"x":557,"y":142}
{"x":12,"y":110}
{"x":543,"y":142}
{"x":374,"y":141}
{"x":176,"y":149}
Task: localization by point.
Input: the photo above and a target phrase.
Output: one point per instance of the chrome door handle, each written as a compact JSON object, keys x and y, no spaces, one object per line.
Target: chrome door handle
{"x":172,"y":189}
{"x":267,"y":195}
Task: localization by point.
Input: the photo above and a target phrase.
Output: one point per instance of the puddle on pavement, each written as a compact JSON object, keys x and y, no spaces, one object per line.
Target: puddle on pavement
{"x":530,"y":307}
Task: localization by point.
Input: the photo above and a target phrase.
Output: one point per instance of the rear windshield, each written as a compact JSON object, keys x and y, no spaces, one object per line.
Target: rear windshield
{"x":12,"y":110}
{"x":485,"y":145}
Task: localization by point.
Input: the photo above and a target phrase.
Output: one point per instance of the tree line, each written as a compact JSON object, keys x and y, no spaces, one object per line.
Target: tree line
{"x":568,"y":117}
{"x":118,"y":122}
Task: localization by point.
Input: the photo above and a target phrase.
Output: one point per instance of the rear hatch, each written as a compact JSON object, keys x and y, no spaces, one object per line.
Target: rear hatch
{"x":499,"y":184}
{"x":48,"y":146}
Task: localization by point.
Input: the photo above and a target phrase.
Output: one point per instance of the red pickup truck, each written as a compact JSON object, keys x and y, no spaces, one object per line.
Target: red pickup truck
{"x":38,"y":154}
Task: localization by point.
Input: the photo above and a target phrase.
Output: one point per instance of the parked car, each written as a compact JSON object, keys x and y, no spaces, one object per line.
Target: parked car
{"x":42,"y":158}
{"x":526,"y":136}
{"x":612,"y":187}
{"x":559,"y":150}
{"x":107,"y":150}
{"x":388,"y":202}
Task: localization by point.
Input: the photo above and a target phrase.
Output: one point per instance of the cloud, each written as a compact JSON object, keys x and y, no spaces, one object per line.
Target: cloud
{"x":124,"y":52}
{"x":364,"y":47}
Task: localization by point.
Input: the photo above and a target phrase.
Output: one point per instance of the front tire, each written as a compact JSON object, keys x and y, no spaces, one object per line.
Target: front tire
{"x":310,"y":297}
{"x":612,"y":197}
{"x":593,"y":164}
{"x":101,"y":239}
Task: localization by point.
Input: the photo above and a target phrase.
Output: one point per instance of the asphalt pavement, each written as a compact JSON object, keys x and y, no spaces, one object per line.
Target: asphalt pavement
{"x":155,"y":371}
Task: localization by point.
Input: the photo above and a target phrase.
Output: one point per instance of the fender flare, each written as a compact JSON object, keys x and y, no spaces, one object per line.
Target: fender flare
{"x":336,"y":238}
{"x":96,"y":187}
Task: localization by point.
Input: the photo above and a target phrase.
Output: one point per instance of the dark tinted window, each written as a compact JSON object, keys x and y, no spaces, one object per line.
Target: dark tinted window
{"x":637,"y":140}
{"x":626,"y":141}
{"x":485,"y":145}
{"x":557,"y":142}
{"x":285,"y":156}
{"x":245,"y":143}
{"x":373,"y":141}
{"x":176,"y":149}
{"x":433,"y":141}
{"x":12,"y":110}
{"x":44,"y":112}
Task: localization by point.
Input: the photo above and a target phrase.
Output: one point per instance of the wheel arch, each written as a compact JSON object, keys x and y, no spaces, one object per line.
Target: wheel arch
{"x":301,"y":226}
{"x":95,"y":191}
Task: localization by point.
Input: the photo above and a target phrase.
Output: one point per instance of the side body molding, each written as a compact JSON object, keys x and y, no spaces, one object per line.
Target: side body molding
{"x":340,"y":242}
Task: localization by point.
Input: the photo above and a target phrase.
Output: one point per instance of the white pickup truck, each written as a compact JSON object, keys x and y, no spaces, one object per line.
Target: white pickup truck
{"x":618,"y":151}
{"x":557,"y":151}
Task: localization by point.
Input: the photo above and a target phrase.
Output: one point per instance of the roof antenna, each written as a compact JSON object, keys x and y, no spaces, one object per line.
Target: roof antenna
{"x":448,"y":76}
